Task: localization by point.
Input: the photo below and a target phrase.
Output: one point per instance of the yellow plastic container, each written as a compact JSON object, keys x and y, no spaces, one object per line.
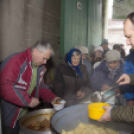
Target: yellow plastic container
{"x":95,"y":110}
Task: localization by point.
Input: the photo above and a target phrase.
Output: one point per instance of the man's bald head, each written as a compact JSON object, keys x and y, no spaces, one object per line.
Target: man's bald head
{"x":129,"y":29}
{"x":130,"y":17}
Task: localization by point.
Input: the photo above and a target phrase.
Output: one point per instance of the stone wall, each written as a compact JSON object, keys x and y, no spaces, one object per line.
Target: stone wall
{"x":51,"y":26}
{"x":23,"y":22}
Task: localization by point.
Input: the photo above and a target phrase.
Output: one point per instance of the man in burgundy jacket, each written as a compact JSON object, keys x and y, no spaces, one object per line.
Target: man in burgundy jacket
{"x":21,"y":84}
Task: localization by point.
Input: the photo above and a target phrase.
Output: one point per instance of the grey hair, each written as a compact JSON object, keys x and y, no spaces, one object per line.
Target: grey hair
{"x":76,"y":53}
{"x":42,"y":46}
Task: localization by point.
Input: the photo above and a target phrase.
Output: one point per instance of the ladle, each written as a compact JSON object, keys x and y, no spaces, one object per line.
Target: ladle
{"x":98,"y":95}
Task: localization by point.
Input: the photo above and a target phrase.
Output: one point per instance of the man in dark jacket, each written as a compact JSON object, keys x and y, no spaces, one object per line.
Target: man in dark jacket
{"x":21,"y":84}
{"x":104,"y":45}
{"x":123,"y":114}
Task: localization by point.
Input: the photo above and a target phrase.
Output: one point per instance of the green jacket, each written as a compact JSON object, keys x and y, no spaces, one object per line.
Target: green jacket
{"x":124,"y":114}
{"x":132,"y":79}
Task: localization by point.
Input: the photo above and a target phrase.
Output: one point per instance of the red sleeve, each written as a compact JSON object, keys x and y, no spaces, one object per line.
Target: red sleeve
{"x":45,"y":93}
{"x":8,"y":79}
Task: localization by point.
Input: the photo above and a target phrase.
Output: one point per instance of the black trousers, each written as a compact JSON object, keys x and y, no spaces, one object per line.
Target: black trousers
{"x":9,"y":130}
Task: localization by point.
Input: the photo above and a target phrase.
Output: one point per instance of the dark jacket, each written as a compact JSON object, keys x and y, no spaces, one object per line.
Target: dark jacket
{"x":104,"y":53}
{"x":99,"y":59}
{"x":100,"y":76}
{"x":67,"y":82}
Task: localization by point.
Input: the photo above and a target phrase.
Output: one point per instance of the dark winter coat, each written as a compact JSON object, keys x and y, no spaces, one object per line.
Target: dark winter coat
{"x":100,"y":76}
{"x":67,"y":82}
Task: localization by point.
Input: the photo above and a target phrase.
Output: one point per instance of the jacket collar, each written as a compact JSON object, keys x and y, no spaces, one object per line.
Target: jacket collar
{"x":29,"y":55}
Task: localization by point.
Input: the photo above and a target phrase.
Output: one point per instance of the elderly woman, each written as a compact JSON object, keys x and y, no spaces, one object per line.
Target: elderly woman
{"x":97,"y":54}
{"x":107,"y":73}
{"x":71,"y":80}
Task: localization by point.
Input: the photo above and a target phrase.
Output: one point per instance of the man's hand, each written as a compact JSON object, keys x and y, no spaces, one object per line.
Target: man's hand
{"x":34,"y":102}
{"x":56,"y":99}
{"x":104,"y":87}
{"x":125,"y":78}
{"x":106,"y":116}
{"x":80,"y":94}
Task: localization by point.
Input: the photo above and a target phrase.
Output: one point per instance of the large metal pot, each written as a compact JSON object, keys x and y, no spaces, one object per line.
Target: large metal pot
{"x":68,"y":118}
{"x":26,"y":118}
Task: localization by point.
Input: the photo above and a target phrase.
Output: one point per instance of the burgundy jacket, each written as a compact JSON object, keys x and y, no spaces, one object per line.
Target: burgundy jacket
{"x":15,"y":80}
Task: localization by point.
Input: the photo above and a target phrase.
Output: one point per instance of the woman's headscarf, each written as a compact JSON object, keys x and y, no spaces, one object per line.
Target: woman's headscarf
{"x":68,"y":58}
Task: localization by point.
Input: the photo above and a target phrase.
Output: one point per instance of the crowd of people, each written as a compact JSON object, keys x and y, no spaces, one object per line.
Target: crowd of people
{"x":76,"y":78}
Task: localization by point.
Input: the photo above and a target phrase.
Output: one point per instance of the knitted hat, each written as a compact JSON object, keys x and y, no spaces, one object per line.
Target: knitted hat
{"x":104,"y":41}
{"x":83,"y":49}
{"x":97,"y":48}
{"x":112,"y":55}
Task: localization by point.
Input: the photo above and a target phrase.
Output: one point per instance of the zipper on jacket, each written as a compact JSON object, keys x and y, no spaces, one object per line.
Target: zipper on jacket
{"x":31,"y":80}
